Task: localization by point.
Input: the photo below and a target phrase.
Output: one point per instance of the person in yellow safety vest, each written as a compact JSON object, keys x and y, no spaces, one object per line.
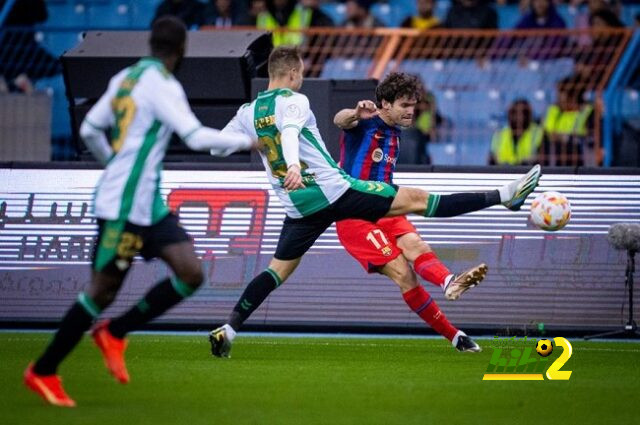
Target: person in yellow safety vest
{"x":520,"y":140}
{"x":567,"y":124}
{"x":285,"y":15}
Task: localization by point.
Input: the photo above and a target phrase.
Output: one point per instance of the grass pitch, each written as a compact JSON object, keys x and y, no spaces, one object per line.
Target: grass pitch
{"x":269,"y":380}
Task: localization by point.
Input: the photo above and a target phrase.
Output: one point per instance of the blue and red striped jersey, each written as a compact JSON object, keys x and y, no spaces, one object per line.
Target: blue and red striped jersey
{"x":369,"y":151}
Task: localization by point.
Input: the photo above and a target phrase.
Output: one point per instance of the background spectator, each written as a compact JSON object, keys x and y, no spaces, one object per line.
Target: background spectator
{"x":256,"y":7}
{"x":472,"y":14}
{"x":425,"y":18}
{"x":542,"y":15}
{"x":518,"y":142}
{"x":191,"y":12}
{"x":318,"y":17}
{"x":284,"y":14}
{"x":568,"y":123}
{"x":225,"y":13}
{"x":27,"y":61}
{"x":359,"y":16}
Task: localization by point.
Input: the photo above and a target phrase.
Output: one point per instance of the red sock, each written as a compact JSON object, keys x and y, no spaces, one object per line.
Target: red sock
{"x":424,"y":306}
{"x":431,"y":269}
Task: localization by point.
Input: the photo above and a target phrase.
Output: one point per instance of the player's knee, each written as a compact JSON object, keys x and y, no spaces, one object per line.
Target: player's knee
{"x":418,"y":198}
{"x":399,"y":271}
{"x":192,"y":276}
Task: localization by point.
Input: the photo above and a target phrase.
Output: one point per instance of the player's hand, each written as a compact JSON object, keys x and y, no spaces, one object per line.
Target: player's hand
{"x":366,"y":109}
{"x":293,"y":179}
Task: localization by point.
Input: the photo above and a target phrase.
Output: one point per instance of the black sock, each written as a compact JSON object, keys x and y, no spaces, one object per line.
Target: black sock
{"x":159,"y":299}
{"x":460,"y":203}
{"x":77,"y":320}
{"x":254,"y":294}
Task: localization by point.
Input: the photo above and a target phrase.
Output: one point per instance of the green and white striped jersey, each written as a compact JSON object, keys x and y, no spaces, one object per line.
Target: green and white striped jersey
{"x":270,"y":113}
{"x":142,"y":105}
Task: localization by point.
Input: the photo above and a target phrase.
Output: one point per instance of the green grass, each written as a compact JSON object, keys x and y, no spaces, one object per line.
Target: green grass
{"x":318,"y":381}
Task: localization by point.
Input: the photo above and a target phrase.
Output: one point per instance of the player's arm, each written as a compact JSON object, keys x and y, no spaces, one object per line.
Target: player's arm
{"x":171,"y":107}
{"x":349,"y":118}
{"x":294,"y":118}
{"x":93,"y":127}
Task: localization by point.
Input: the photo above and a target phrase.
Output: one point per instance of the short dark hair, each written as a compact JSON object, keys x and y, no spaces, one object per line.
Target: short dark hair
{"x":282,"y":59}
{"x":397,"y":85}
{"x":168,"y":35}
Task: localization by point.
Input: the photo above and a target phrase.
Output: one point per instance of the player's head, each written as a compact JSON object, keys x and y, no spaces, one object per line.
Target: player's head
{"x":167,"y":40}
{"x":286,"y":67}
{"x":520,"y":115}
{"x":397,"y":96}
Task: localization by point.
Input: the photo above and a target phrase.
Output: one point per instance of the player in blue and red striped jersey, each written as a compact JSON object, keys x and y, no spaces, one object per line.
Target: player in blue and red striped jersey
{"x":369,"y":149}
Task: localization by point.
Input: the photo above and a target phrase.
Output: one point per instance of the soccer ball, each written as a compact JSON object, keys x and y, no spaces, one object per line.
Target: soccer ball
{"x":550,"y":211}
{"x":544,"y":347}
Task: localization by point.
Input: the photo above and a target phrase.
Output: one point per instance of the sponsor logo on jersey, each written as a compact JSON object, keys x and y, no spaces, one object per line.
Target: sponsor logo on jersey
{"x":378,"y":156}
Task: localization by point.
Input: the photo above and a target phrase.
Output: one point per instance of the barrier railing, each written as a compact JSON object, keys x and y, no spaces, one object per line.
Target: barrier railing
{"x":475,"y":77}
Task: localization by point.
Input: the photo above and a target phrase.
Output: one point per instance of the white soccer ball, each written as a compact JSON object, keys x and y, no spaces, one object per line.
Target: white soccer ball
{"x":550,"y":211}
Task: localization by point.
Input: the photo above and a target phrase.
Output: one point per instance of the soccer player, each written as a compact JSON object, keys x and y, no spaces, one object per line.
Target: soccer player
{"x":369,"y":150}
{"x":143,"y":104}
{"x":316,"y":192}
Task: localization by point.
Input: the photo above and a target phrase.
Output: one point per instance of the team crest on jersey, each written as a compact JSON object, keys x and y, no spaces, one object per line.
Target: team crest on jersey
{"x":386,"y":251}
{"x":377,"y":155}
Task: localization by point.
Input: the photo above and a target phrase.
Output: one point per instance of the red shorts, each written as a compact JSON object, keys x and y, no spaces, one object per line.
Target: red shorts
{"x":373,"y":244}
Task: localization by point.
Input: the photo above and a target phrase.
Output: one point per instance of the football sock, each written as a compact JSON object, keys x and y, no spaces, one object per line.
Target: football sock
{"x":419,"y":300}
{"x":77,"y":320}
{"x":159,"y":299}
{"x":431,"y":269}
{"x":460,"y":203}
{"x":254,"y":294}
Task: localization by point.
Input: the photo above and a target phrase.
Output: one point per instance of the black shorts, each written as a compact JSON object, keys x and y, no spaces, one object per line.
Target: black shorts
{"x":119,"y":241}
{"x":299,"y":234}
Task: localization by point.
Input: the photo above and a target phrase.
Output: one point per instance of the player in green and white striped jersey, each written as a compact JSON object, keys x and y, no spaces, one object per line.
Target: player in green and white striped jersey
{"x":143,"y":104}
{"x":316,"y":192}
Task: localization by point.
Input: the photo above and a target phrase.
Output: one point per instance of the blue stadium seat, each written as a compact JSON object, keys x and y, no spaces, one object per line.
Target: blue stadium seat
{"x":68,"y":14}
{"x":630,"y":104}
{"x":142,"y":12}
{"x":341,"y":68}
{"x":336,"y":11}
{"x":508,"y":16}
{"x":389,"y":14}
{"x":58,"y":42}
{"x":109,"y":15}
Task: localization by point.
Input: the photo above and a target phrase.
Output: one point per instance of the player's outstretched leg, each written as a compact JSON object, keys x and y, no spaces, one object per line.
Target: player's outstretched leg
{"x":416,"y":201}
{"x":514,"y":194}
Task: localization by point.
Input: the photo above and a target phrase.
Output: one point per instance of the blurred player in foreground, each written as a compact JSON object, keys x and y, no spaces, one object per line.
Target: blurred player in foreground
{"x":369,"y":150}
{"x":315,"y":192}
{"x":142,"y":105}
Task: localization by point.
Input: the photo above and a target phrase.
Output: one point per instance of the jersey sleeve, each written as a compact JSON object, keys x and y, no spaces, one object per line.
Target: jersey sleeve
{"x":100,"y":116}
{"x":235,"y":125}
{"x":295,"y":113}
{"x":170,"y":105}
{"x":355,"y":134}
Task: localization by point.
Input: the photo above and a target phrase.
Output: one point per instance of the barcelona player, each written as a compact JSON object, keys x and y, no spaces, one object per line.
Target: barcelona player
{"x":369,"y":148}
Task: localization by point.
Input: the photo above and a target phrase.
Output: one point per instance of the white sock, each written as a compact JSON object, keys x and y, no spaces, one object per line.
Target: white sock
{"x":447,"y":281}
{"x":454,"y":341}
{"x":229,"y":332}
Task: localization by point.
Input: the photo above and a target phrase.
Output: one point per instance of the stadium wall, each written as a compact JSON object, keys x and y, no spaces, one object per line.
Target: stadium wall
{"x":570,"y":279}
